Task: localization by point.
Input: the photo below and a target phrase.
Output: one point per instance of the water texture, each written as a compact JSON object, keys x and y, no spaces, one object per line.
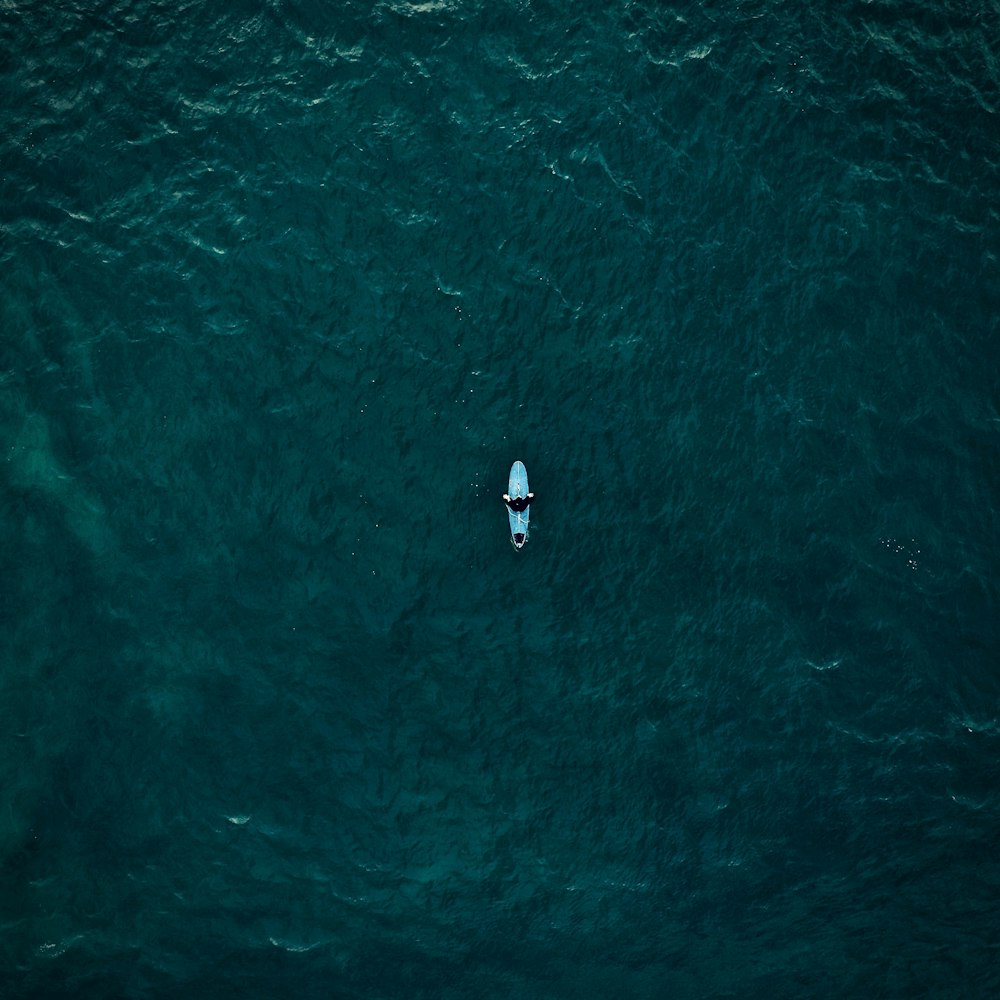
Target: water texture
{"x":286,"y":287}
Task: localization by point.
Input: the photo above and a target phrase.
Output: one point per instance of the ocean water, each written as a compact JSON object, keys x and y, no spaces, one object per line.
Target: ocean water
{"x":286,"y":287}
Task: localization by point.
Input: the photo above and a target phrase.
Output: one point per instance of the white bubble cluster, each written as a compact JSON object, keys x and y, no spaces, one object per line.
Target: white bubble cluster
{"x":907,"y":549}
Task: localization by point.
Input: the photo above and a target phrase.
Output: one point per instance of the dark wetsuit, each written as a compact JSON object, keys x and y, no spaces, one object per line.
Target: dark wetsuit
{"x":518,"y":504}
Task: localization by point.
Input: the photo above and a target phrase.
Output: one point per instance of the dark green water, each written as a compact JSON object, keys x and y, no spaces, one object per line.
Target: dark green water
{"x":286,"y":287}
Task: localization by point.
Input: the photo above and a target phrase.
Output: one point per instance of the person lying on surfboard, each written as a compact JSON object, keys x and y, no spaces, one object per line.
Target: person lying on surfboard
{"x":518,"y":503}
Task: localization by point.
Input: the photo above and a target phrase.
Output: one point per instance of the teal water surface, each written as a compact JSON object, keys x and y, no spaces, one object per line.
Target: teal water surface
{"x":287,"y":286}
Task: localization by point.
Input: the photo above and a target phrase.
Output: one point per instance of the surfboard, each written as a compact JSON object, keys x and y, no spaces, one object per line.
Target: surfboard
{"x":517,"y":486}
